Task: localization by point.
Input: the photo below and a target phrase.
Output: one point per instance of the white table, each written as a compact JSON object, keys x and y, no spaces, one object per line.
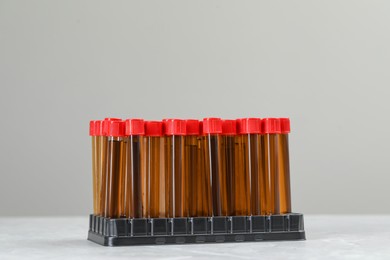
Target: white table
{"x":328,"y":237}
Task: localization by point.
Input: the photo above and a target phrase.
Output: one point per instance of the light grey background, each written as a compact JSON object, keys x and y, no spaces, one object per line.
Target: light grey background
{"x":325,"y":64}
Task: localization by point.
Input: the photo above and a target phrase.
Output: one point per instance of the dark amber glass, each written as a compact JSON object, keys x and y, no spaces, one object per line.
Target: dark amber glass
{"x":258,"y":175}
{"x":169,"y":194}
{"x":139,"y":174}
{"x":270,"y":164}
{"x":176,"y":177}
{"x":284,"y":174}
{"x":115,"y":178}
{"x":128,"y":179}
{"x":217,"y":170}
{"x":180,"y":179}
{"x":199,"y":189}
{"x":156,"y":178}
{"x":241,"y":184}
{"x":226,"y":176}
{"x":103,"y":140}
{"x":135,"y":177}
{"x":95,"y":174}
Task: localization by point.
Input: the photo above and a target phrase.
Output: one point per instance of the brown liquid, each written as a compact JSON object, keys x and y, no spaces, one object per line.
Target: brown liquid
{"x":284,"y":174}
{"x":115,"y":177}
{"x":270,"y":164}
{"x":227,"y":174}
{"x":216,"y":164}
{"x":122,"y":183}
{"x":199,"y":189}
{"x":168,"y":177}
{"x":157,"y":179}
{"x":102,"y":174}
{"x":181,"y":180}
{"x":241,"y":185}
{"x":250,"y":175}
{"x":95,"y":174}
{"x":200,"y":177}
{"x":176,"y":177}
{"x":128,"y":179}
{"x":135,"y":172}
{"x":136,"y":177}
{"x":258,"y":176}
{"x":192,"y":168}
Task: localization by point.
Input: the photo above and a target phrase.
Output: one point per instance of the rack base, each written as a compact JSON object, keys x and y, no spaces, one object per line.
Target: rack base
{"x":126,"y":232}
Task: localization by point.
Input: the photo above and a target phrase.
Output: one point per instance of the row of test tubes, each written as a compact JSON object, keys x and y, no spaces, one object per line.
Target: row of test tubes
{"x":190,"y":168}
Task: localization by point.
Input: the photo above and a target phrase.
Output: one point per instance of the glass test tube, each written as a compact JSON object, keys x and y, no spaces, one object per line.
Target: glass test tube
{"x":249,"y":168}
{"x":284,"y":167}
{"x":270,"y":130}
{"x":230,"y":181}
{"x":103,"y":162}
{"x":115,"y":170}
{"x":102,"y":153}
{"x":212,"y":128}
{"x":103,"y":140}
{"x":199,"y":190}
{"x":94,"y":127}
{"x":176,"y":177}
{"x":156,"y":178}
{"x":136,"y":166}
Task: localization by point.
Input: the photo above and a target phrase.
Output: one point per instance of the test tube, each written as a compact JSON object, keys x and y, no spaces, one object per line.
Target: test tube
{"x":136,"y":166}
{"x":94,"y":132}
{"x":115,"y":170}
{"x":155,"y":179}
{"x":230,"y":182}
{"x":284,"y":167}
{"x":101,"y":148}
{"x":176,"y":177}
{"x":199,"y":181}
{"x":270,"y":130}
{"x":103,"y":162}
{"x":212,"y":129}
{"x":248,"y":168}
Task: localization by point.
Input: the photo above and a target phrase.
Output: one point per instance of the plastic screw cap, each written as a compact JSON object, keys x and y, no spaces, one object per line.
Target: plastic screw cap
{"x":134,"y":127}
{"x":270,"y":126}
{"x":193,"y":127}
{"x":95,"y":127}
{"x":106,"y":124}
{"x":154,"y":128}
{"x":212,"y":125}
{"x":229,"y":127}
{"x":174,"y":126}
{"x":116,"y":128}
{"x":285,"y":125}
{"x":249,"y":125}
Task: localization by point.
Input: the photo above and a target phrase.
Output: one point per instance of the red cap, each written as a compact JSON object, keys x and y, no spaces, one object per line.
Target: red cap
{"x":270,"y":126}
{"x":134,"y":127}
{"x":95,"y":127}
{"x":192,"y":127}
{"x":153,"y":128}
{"x":249,"y":125}
{"x":212,"y":125}
{"x":229,"y":127}
{"x":116,"y":128}
{"x":201,"y":128}
{"x":174,"y":126}
{"x":106,"y":124}
{"x":285,"y":125}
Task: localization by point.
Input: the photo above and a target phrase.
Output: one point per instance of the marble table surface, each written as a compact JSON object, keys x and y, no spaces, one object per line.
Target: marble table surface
{"x":328,"y":237}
